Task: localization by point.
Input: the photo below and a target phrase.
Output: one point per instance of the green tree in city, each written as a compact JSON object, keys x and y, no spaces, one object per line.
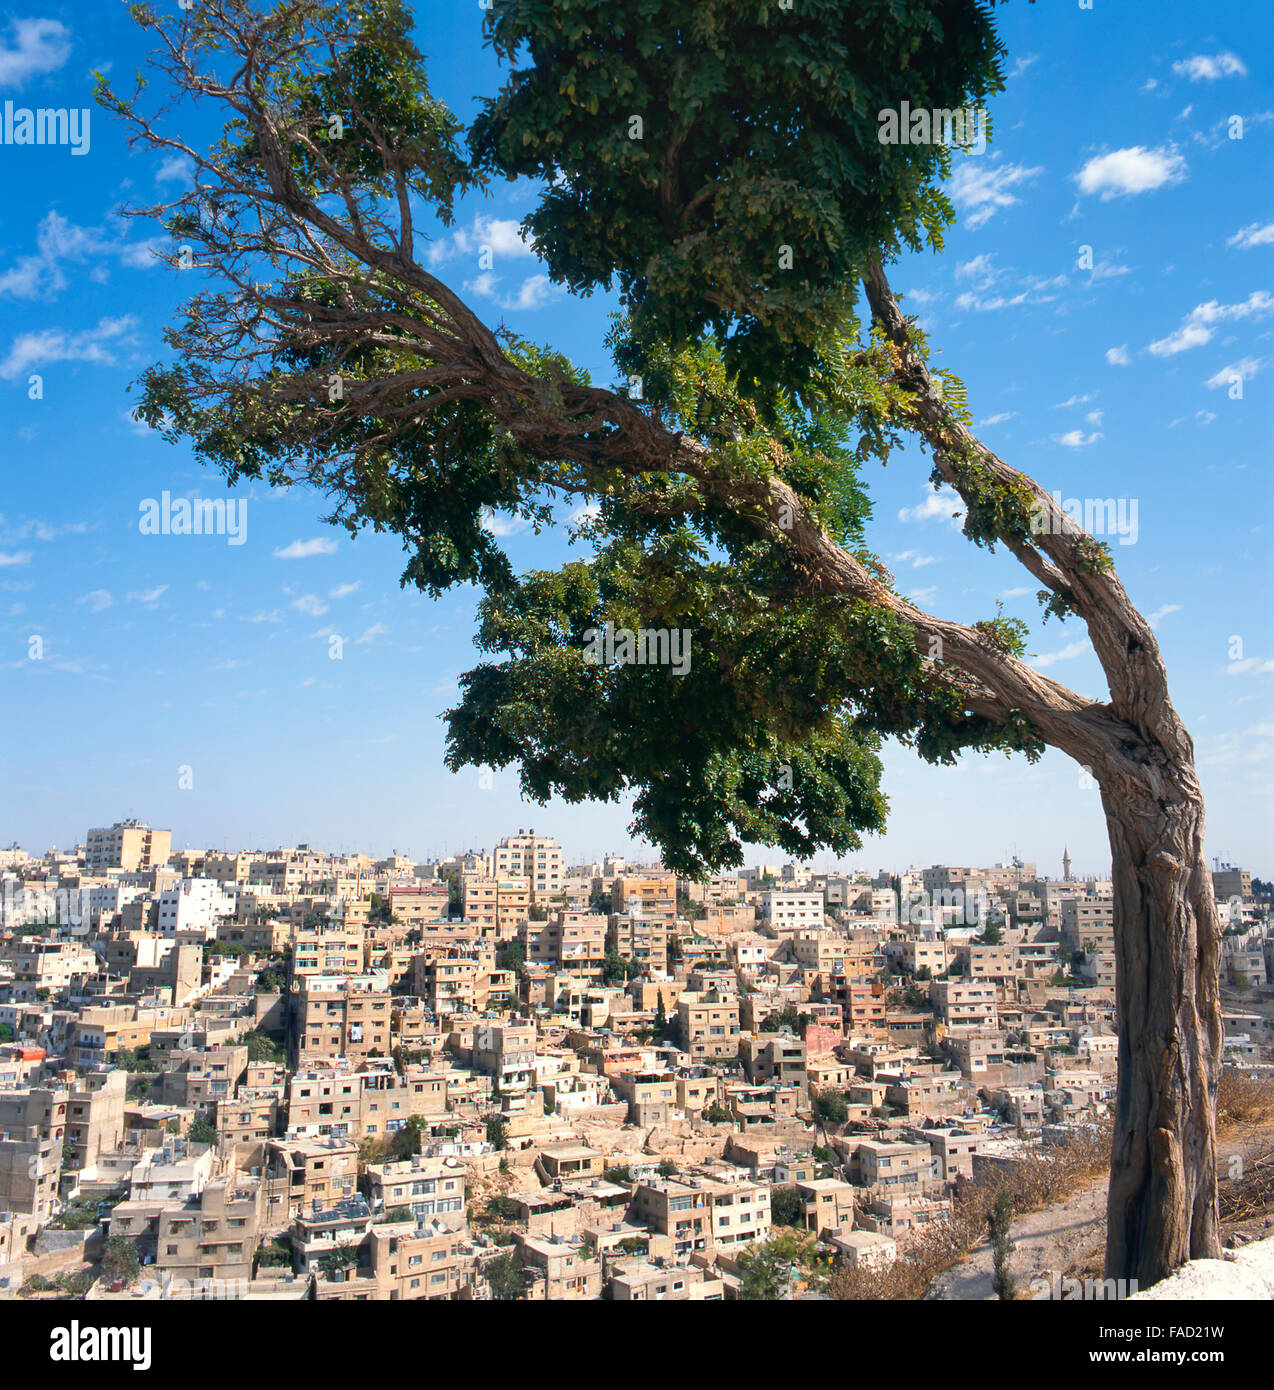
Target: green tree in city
{"x":720,"y":166}
{"x":120,"y":1260}
{"x":772,"y":1268}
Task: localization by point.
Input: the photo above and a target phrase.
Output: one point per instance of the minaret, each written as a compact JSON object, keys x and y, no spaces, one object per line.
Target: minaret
{"x":1066,"y":864}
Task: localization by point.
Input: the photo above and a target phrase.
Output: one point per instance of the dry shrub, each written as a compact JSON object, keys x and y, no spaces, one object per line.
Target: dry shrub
{"x":1040,"y":1178}
{"x":1251,"y":1193}
{"x":1243,"y":1100}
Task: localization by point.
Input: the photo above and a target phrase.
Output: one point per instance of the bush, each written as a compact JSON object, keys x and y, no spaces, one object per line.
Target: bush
{"x":120,"y":1260}
{"x":832,"y":1107}
{"x":786,"y":1207}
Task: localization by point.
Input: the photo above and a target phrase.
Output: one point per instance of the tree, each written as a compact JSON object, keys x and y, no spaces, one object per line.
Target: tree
{"x":722,"y":489}
{"x":504,"y":1275}
{"x":999,"y":1227}
{"x":202,"y":1131}
{"x":786,"y":1207}
{"x":497,"y":1133}
{"x":770,"y":1268}
{"x":991,"y":935}
{"x":832,"y":1106}
{"x":262,"y":1048}
{"x":120,"y":1260}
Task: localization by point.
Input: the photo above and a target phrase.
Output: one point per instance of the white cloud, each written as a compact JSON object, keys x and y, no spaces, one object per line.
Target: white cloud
{"x":1077,"y":439}
{"x":1249,"y":666}
{"x":303,"y":550}
{"x":1118,"y":356}
{"x":503,"y":237}
{"x":534,"y":293}
{"x":1067,"y":653}
{"x":97,"y":600}
{"x":344,"y":590}
{"x":148,"y":595}
{"x":1199,"y":325}
{"x":916,"y":558}
{"x":1094,"y":418}
{"x":1155,"y":618}
{"x":37,"y":46}
{"x":998,"y":419}
{"x":1254,"y":234}
{"x":1131,"y":171}
{"x":919,"y":596}
{"x":176,"y":168}
{"x":311,"y":604}
{"x":502,"y":526}
{"x":1204,"y":68}
{"x":59,"y":242}
{"x":945,"y":503}
{"x":95,"y":345}
{"x":980,"y":188}
{"x":1024,"y":64}
{"x":372,"y":633}
{"x":10,"y":559}
{"x":1075,"y":400}
{"x":979,"y":269}
{"x":1243,"y":370}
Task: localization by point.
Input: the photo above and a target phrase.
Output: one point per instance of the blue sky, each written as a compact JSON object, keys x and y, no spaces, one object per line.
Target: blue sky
{"x":170,"y":660}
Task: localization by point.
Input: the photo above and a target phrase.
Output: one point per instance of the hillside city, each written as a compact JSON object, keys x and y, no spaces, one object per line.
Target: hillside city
{"x":289,"y":1074}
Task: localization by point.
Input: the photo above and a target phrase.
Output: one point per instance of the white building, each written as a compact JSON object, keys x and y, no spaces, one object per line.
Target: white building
{"x":194,"y":905}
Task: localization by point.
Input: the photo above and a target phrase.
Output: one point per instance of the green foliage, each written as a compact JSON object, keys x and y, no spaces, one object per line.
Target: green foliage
{"x":999,"y":1228}
{"x":497,"y":1133}
{"x":787,"y":1207}
{"x":759,"y":131}
{"x":275,"y":1254}
{"x":202,"y":1131}
{"x":262,"y":1048}
{"x":120,"y":1260}
{"x":771,"y":1268}
{"x":505,"y":1276}
{"x":832,"y":1106}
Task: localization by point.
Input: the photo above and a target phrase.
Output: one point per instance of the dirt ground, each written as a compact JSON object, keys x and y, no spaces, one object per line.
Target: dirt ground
{"x":1067,"y":1239}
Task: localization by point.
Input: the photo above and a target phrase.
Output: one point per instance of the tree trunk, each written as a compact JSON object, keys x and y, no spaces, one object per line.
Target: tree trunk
{"x":1162,"y":1207}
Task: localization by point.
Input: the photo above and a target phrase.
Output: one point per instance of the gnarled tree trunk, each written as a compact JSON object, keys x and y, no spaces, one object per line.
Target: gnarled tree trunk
{"x":1162,"y":1206}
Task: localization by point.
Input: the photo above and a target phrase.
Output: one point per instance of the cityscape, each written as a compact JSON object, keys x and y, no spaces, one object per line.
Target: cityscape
{"x":636,"y":655}
{"x":294,"y":1075}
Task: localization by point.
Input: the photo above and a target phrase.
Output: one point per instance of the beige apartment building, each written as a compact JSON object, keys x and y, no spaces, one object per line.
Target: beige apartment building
{"x":643,"y":939}
{"x":341,"y":1017}
{"x":1089,"y":922}
{"x":430,"y":1187}
{"x":709,"y":1025}
{"x":702,"y":1215}
{"x":966,"y":1004}
{"x":652,"y":896}
{"x":536,"y":858}
{"x":574,"y":941}
{"x":130,"y":845}
{"x":32,"y":1132}
{"x":213,"y":1236}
